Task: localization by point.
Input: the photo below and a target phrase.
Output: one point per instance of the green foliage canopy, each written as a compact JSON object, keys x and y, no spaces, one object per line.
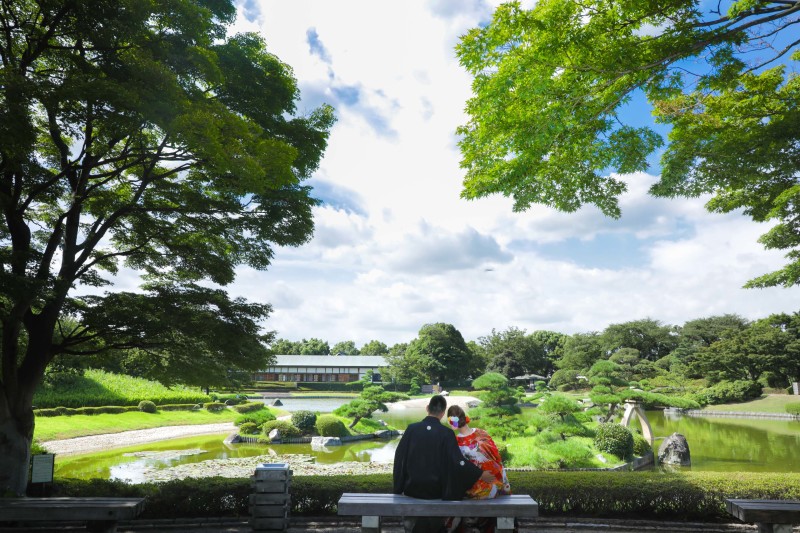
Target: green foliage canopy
{"x":549,"y":84}
{"x":139,"y":134}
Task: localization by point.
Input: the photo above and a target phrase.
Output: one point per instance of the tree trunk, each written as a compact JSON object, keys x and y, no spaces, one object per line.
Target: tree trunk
{"x":612,"y":408}
{"x":15,"y":453}
{"x":356,"y":420}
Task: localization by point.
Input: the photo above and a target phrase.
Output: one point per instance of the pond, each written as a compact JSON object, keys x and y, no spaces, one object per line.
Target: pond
{"x":734,"y":444}
{"x":318,"y":405}
{"x":716,"y":444}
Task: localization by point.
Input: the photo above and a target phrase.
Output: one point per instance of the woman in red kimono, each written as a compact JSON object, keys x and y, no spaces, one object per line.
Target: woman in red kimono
{"x":478,"y":447}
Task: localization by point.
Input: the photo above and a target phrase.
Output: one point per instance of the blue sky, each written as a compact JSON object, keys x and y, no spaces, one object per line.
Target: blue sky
{"x":396,"y":248}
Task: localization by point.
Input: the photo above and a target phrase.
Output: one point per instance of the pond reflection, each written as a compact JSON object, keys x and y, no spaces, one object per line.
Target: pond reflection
{"x":716,"y":444}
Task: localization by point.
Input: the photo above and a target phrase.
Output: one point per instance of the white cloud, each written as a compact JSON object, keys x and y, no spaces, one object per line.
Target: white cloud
{"x":395,"y":247}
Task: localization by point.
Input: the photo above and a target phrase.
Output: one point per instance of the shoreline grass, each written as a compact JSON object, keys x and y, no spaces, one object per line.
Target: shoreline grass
{"x":768,"y":403}
{"x":68,"y":427}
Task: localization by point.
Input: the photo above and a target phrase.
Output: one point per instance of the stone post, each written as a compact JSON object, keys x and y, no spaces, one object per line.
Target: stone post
{"x":270,"y":502}
{"x":796,"y":387}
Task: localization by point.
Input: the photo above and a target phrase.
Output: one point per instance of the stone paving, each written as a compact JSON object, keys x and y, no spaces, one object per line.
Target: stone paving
{"x":541,"y":525}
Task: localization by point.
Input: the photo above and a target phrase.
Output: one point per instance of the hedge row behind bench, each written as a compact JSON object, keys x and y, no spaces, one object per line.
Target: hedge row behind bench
{"x":655,"y":495}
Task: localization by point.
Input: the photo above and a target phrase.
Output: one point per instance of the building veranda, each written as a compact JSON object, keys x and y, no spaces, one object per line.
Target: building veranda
{"x":322,"y":368}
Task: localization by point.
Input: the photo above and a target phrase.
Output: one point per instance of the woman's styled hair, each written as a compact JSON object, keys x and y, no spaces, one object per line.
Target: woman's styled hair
{"x":455,"y":410}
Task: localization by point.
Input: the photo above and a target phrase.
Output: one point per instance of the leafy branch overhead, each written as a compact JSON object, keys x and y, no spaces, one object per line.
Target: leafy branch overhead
{"x":551,"y":85}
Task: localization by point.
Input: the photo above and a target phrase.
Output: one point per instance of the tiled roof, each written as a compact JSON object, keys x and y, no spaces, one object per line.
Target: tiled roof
{"x":371,"y":361}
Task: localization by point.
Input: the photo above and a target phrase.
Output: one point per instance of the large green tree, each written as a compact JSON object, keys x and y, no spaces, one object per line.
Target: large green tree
{"x":652,"y":339}
{"x":374,"y":347}
{"x":771,"y":345}
{"x":513,"y":343}
{"x":139,"y":134}
{"x":438,"y":354}
{"x":547,"y":122}
{"x":345,"y":347}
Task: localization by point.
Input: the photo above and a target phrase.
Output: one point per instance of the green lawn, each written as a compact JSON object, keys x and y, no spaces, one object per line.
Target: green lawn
{"x":770,"y":403}
{"x":67,"y":427}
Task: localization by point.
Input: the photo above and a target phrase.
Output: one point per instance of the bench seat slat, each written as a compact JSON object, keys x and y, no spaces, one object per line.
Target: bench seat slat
{"x":765,"y":511}
{"x":516,"y":505}
{"x":70,"y":509}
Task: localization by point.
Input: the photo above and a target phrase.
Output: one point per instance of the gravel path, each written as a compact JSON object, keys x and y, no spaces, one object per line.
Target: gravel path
{"x":130,"y":438}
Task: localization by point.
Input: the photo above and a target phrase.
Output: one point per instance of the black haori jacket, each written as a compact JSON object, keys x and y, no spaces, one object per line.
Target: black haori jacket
{"x":428,"y":463}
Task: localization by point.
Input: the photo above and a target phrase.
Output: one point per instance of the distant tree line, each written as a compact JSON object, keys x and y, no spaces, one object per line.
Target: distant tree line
{"x":645,"y":352}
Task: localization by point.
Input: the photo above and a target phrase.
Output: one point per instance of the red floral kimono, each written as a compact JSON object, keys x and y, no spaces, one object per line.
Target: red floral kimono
{"x":481,"y":451}
{"x":479,"y":448}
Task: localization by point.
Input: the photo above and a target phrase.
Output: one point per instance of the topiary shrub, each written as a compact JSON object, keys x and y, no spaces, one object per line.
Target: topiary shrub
{"x":793,"y":408}
{"x":215,"y":407}
{"x":248,"y":428}
{"x":286,"y":428}
{"x":146,"y":406}
{"x":330,"y":426}
{"x":415,"y":388}
{"x":730,"y":392}
{"x":641,"y":446}
{"x":304,"y":420}
{"x":614,"y":439}
{"x":256,"y":417}
{"x":176,"y":407}
{"x":249,"y":407}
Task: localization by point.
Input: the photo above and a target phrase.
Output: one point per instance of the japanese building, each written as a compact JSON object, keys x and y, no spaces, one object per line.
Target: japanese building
{"x":320,"y":368}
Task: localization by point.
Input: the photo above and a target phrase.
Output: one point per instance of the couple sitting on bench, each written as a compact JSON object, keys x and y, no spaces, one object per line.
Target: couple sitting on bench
{"x":432,"y":463}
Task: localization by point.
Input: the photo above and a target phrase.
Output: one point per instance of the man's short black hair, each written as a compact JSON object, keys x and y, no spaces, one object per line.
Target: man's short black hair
{"x":437,"y":405}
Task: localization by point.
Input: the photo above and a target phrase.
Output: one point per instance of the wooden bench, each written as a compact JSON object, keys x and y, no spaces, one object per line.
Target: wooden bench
{"x":371,"y":507}
{"x":771,"y":516}
{"x":100,"y":514}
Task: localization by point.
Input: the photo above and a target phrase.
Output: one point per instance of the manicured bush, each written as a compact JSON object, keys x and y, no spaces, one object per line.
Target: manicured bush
{"x":146,"y":406}
{"x":641,"y":446}
{"x":304,"y":420}
{"x":248,"y":428}
{"x":286,"y":428}
{"x":414,"y":388}
{"x":215,"y":407}
{"x":330,"y":426}
{"x":249,"y":407}
{"x":729,"y":392}
{"x":177,"y":407}
{"x":228,"y":399}
{"x":256,"y":417}
{"x":793,"y":408}
{"x":615,"y":439}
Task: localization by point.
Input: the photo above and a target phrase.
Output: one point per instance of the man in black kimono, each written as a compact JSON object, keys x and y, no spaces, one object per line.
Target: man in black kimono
{"x":428,"y":464}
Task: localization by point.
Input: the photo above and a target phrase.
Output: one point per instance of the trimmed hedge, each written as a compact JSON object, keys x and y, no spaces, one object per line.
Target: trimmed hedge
{"x":178,"y":407}
{"x":215,"y":407}
{"x":249,"y":407}
{"x":691,"y":496}
{"x":729,"y":392}
{"x":69,"y":411}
